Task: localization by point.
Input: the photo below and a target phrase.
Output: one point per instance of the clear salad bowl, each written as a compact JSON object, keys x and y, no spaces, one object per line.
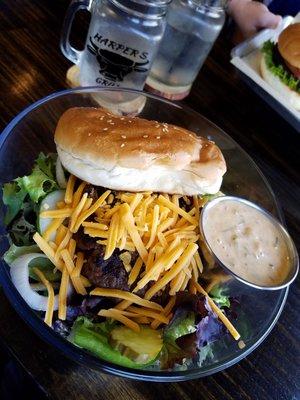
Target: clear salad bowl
{"x":32,"y":131}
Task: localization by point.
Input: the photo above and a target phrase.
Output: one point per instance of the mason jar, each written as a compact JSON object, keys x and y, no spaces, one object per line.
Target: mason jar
{"x":121,"y":43}
{"x":192,"y":28}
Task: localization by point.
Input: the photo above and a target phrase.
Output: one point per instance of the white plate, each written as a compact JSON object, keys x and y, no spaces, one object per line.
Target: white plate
{"x":246,"y":57}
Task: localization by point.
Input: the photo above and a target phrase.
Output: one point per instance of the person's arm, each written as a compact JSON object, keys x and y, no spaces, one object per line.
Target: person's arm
{"x":251,"y":16}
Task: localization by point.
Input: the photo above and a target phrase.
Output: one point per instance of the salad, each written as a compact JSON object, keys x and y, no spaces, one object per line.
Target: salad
{"x":122,"y":275}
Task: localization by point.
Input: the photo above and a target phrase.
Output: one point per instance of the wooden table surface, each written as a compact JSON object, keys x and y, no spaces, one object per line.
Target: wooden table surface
{"x":31,"y":66}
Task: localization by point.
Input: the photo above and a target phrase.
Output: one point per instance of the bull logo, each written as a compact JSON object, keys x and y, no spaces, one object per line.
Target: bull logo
{"x":114,"y":66}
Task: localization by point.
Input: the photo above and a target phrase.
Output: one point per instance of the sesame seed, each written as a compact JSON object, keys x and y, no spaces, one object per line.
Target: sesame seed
{"x":89,"y":134}
{"x":130,"y":121}
{"x":157,"y":137}
{"x":105,"y":129}
{"x":112,"y":123}
{"x":109,"y":120}
{"x":123,"y":144}
{"x":46,"y":206}
{"x":157,"y":126}
{"x":145,"y":136}
{"x":123,"y":136}
{"x":122,"y":119}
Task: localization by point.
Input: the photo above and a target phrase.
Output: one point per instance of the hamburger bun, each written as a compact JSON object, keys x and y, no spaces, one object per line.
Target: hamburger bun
{"x":289,"y":44}
{"x":134,"y":154}
{"x":291,"y":96}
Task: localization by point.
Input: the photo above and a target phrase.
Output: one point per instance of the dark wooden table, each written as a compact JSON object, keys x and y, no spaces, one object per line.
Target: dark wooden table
{"x":31,"y":66}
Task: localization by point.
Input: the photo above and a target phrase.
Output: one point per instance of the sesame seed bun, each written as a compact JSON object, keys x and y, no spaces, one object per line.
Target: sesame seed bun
{"x":289,"y":44}
{"x":134,"y":154}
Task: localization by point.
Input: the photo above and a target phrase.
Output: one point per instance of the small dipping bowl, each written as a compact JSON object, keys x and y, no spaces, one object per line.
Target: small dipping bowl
{"x":213,"y":214}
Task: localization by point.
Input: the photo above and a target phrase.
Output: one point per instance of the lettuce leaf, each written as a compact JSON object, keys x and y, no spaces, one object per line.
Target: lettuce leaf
{"x":42,"y":179}
{"x":46,"y":266}
{"x":182,"y":325}
{"x":13,"y":198}
{"x":193,"y":327}
{"x":23,"y":225}
{"x":47,"y":164}
{"x":218,"y":294}
{"x":277,"y":68}
{"x":21,"y":231}
{"x":32,"y":187}
{"x":16,"y":251}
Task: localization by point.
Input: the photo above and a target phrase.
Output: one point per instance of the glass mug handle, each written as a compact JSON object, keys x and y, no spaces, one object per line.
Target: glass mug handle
{"x":70,"y":52}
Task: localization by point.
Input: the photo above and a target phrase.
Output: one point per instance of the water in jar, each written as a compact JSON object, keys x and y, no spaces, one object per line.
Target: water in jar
{"x":188,"y":38}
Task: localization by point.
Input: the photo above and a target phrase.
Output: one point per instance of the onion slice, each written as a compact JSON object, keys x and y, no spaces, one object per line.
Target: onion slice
{"x":60,"y":175}
{"x":19,"y":272}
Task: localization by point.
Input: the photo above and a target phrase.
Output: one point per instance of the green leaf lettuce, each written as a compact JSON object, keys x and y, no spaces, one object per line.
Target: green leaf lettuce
{"x":219,"y":295}
{"x":277,"y":68}
{"x":35,"y":186}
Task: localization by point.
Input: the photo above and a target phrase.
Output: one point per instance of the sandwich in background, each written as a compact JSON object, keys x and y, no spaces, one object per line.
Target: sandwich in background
{"x":280,"y":64}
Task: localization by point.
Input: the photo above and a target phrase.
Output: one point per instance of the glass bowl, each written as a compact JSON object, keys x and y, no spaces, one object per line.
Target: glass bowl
{"x":32,"y":132}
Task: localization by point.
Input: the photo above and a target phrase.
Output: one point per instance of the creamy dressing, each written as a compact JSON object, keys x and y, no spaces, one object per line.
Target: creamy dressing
{"x":247,"y":242}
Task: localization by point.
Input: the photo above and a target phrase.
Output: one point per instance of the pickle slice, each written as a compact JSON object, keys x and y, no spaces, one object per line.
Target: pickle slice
{"x":142,"y":347}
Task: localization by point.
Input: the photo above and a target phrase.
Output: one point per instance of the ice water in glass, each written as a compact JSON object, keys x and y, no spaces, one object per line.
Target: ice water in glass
{"x":191,"y":31}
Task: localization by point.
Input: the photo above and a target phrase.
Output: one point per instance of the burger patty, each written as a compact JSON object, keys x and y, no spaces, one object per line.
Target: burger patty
{"x":101,"y":273}
{"x":91,"y":191}
{"x":278,"y":59}
{"x":108,"y":273}
{"x":111,"y":273}
{"x":84,"y":242}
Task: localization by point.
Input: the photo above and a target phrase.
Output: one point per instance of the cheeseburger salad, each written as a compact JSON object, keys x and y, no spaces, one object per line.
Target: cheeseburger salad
{"x":124,"y":275}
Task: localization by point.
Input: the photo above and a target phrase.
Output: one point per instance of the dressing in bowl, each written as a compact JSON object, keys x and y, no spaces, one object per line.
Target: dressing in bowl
{"x":249,"y":242}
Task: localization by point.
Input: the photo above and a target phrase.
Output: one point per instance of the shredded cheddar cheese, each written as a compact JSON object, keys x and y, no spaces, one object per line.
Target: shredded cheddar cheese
{"x":157,"y":240}
{"x":62,"y":295}
{"x":78,"y":194}
{"x":53,"y":227}
{"x":63,"y":244}
{"x":59,"y":213}
{"x":78,"y":265}
{"x":112,"y":236}
{"x":69,"y":265}
{"x":180,"y":264}
{"x":218,"y":312}
{"x":50,"y":303}
{"x":117,"y":315}
{"x":70,"y":189}
{"x":149,"y":313}
{"x":121,"y":294}
{"x":154,"y":224}
{"x":72,"y":247}
{"x":128,"y":220}
{"x":135,"y":271}
{"x":142,"y":320}
{"x":167,"y":310}
{"x":61,"y":232}
{"x":95,"y":225}
{"x":85,"y":281}
{"x":77,"y":211}
{"x":85,"y":214}
{"x":177,"y":209}
{"x":47,"y":250}
{"x":164,"y":262}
